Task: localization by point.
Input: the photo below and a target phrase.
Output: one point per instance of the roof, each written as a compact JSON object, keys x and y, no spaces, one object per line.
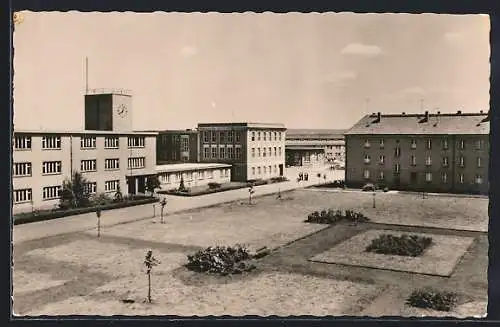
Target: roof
{"x":83,"y":132}
{"x":417,"y":124}
{"x":315,"y":133}
{"x":188,"y":167}
{"x":311,"y":142}
{"x":244,"y":125}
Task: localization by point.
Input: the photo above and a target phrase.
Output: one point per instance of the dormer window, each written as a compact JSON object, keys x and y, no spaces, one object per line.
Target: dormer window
{"x":382,"y":143}
{"x":413,"y":144}
{"x":367,"y":143}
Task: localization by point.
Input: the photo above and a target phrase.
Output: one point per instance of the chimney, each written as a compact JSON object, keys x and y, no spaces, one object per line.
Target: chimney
{"x":426,"y":115}
{"x":403,"y":113}
{"x":379,"y":116}
{"x":480,"y":111}
{"x":459,"y":112}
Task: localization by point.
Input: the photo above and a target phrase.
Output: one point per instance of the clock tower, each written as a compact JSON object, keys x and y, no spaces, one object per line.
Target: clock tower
{"x":108,"y":110}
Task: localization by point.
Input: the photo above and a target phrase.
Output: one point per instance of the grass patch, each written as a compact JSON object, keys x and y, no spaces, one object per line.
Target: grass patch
{"x":433,"y":299}
{"x":404,"y":245}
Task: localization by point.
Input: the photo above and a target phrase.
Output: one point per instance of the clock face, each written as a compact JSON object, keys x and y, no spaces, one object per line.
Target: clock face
{"x":122,"y":110}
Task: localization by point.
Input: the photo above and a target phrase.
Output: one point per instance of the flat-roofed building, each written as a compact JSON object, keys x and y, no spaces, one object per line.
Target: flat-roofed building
{"x":312,"y":147}
{"x":254,"y":150}
{"x":193,"y":174}
{"x":176,"y":146}
{"x":422,"y":152}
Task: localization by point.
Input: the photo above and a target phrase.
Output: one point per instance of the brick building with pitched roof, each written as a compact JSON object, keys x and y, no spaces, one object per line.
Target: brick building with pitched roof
{"x":420,"y":152}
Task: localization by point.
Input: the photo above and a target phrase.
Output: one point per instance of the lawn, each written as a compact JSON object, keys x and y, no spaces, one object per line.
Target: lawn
{"x":445,"y":250}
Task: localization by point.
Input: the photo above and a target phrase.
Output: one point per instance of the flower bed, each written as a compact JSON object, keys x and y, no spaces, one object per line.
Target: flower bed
{"x":220,"y":260}
{"x":405,"y":245}
{"x":331,"y":216}
{"x":432,"y":299}
{"x":208,"y":190}
{"x":30,"y":217}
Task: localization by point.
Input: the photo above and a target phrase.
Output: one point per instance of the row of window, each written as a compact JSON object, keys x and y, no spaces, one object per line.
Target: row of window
{"x":222,"y":153}
{"x":221,"y":137}
{"x":167,"y":178}
{"x":265,"y":136}
{"x":54,"y":192}
{"x":428,"y":161}
{"x":21,"y":169}
{"x":461,"y":144}
{"x":277,"y":152}
{"x":86,"y":142}
{"x":429,"y":177}
{"x":264,"y":169}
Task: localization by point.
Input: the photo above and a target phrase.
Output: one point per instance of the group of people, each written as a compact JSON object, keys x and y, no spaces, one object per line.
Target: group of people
{"x":303,"y":177}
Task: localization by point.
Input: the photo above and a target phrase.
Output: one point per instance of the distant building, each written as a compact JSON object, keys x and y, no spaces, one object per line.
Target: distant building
{"x":176,"y":146}
{"x":193,"y":174}
{"x":255,"y":150}
{"x":110,"y":156}
{"x":310,"y":147}
{"x":422,"y":152}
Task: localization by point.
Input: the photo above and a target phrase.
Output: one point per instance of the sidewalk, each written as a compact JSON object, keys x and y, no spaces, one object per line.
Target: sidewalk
{"x":77,"y":223}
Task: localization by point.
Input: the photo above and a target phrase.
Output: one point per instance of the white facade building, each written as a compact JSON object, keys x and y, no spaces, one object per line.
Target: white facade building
{"x":193,"y":174}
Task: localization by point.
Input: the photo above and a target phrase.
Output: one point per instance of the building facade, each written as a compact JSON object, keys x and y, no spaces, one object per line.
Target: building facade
{"x":42,"y":160}
{"x":314,"y":147}
{"x":254,"y":150}
{"x":420,"y":152}
{"x":193,"y":174}
{"x":177,"y":146}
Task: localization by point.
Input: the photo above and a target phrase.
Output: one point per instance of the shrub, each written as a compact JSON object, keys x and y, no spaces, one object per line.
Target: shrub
{"x":74,"y":193}
{"x":214,"y":186}
{"x":432,"y":299}
{"x":404,"y":245}
{"x":220,"y":260}
{"x":330,"y":216}
{"x":279,"y":179}
{"x":99,"y":199}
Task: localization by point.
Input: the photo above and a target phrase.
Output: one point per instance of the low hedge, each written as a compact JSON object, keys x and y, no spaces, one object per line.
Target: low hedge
{"x":202,"y":192}
{"x":223,"y":260}
{"x":404,"y":245}
{"x":432,"y":299}
{"x":30,"y":217}
{"x":331,"y":216}
{"x":334,"y":184}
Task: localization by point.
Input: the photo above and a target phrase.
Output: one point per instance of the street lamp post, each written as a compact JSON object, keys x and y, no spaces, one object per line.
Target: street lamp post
{"x":374,"y":198}
{"x":98,"y":214}
{"x":163,"y":203}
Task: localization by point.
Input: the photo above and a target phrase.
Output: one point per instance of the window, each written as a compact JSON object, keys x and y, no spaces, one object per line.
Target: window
{"x":413,"y":160}
{"x":258,"y":136}
{"x":461,"y":178}
{"x":270,"y":167}
{"x":111,"y":142}
{"x":51,"y":142}
{"x":21,"y":169}
{"x":479,"y":179}
{"x":90,"y":188}
{"x":265,"y":169}
{"x":230,"y":153}
{"x":21,"y":196}
{"x":221,"y":137}
{"x":428,"y":177}
{"x":279,"y":150}
{"x":275,"y":152}
{"x":444,"y":177}
{"x":367,"y":159}
{"x":230,"y":136}
{"x":214,"y":152}
{"x":479,"y":144}
{"x":461,"y":162}
{"x":206,"y":153}
{"x":397,"y":168}
{"x":275,"y":136}
{"x":367,"y":144}
{"x":478,"y":162}
{"x":381,"y":175}
{"x":136,"y":141}
{"x":88,"y":142}
{"x":382,"y":144}
{"x":429,"y":144}
{"x":88,"y":165}
{"x":445,"y":144}
{"x":51,"y":167}
{"x":22,"y":142}
{"x":270,"y":151}
{"x":210,"y":174}
{"x":397,"y":152}
{"x":413,"y":144}
{"x":206,"y":137}
{"x":214,"y":137}
{"x":381,"y":159}
{"x":265,"y":136}
{"x":51,"y":192}
{"x":279,"y":135}
{"x":238,"y":153}
{"x":461,"y":144}
{"x":366,"y":174}
{"x":445,"y":162}
{"x":275,"y":168}
{"x":428,"y":161}
{"x":112,"y":164}
{"x":222,"y":153}
{"x":253,"y":152}
{"x":253,"y":170}
{"x":136,"y":163}
{"x":189,"y":176}
{"x":184,"y":144}
{"x":258,"y":152}
{"x":237,"y":137}
{"x":263,"y":152}
{"x":253,"y":136}
{"x":258,"y":170}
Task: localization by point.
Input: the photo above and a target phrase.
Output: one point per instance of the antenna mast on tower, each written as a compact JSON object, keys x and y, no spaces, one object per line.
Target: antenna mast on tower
{"x":86,"y":75}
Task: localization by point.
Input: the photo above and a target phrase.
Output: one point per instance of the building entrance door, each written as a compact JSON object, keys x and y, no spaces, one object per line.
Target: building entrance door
{"x":131,"y":185}
{"x":413,"y":177}
{"x":142,"y":185}
{"x":281,"y":169}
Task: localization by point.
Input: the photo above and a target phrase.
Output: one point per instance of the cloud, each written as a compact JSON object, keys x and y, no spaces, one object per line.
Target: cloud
{"x":189,"y":51}
{"x":341,"y":78}
{"x":453,"y":38}
{"x":359,"y":49}
{"x":416,"y":90}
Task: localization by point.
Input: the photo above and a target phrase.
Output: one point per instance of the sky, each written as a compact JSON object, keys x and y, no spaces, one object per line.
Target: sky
{"x":303,"y":70}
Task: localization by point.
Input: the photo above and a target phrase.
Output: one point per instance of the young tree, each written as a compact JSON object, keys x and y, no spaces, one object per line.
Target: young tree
{"x":74,"y":193}
{"x":182,"y":187}
{"x":118,"y":194}
{"x":149,"y":263}
{"x":250,"y":193}
{"x":152,"y":183}
{"x":163,"y":203}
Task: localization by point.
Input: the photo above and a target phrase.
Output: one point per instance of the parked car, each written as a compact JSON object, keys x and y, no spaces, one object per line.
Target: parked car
{"x":369,"y":187}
